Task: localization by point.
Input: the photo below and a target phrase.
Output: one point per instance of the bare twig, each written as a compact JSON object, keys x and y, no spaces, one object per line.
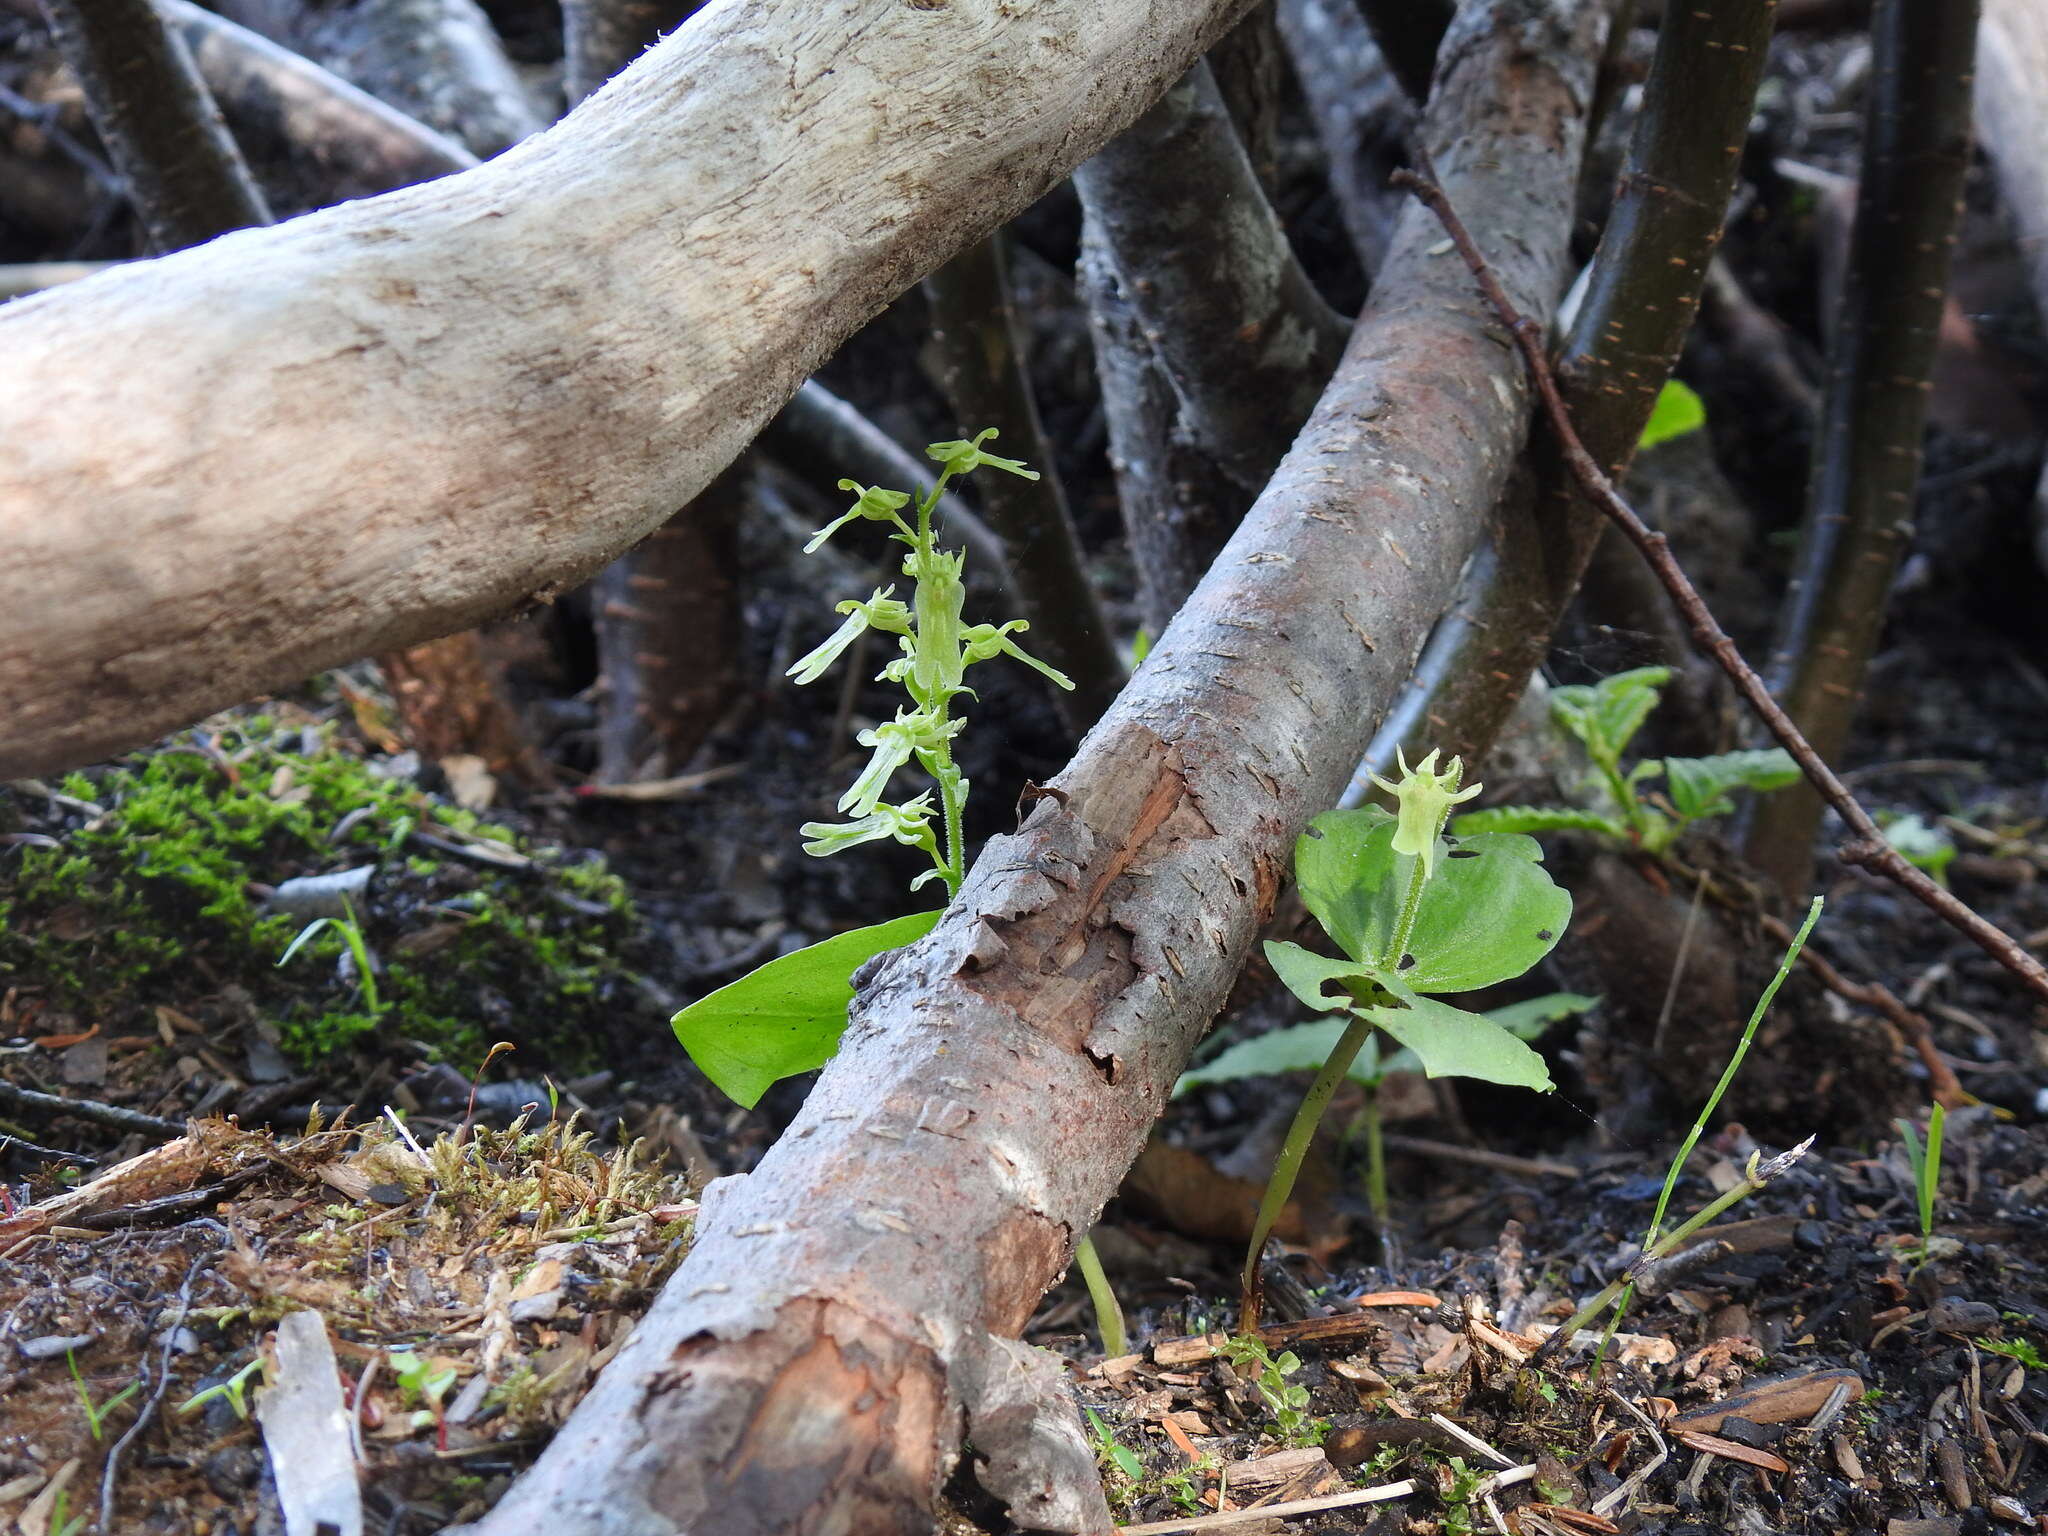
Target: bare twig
{"x":1867,"y":846}
{"x":110,"y":1115}
{"x":156,"y":1396}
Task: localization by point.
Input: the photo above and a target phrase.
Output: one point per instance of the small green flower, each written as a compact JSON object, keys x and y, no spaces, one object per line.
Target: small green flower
{"x":894,"y":742}
{"x":909,"y":823}
{"x":1425,"y":799}
{"x":881,"y":612}
{"x":873,"y":502}
{"x":962,"y":458}
{"x":985,"y":641}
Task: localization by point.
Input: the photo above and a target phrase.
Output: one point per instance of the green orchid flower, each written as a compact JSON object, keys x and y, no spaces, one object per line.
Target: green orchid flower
{"x":881,"y":612}
{"x":1425,"y":798}
{"x":871,"y":502}
{"x":962,"y":458}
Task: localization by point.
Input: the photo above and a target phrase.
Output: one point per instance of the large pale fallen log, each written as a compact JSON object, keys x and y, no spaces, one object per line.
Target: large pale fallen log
{"x":854,"y":1299}
{"x":393,"y":419}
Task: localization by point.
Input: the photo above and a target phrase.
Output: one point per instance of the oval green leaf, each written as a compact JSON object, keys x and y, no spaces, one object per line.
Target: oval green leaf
{"x":786,"y":1017}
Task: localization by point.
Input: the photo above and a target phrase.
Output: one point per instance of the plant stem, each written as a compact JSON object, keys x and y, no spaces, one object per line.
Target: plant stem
{"x":1375,"y":1159}
{"x":1404,"y":925}
{"x":1287,"y":1166}
{"x":1109,"y":1316}
{"x":1654,"y":1247}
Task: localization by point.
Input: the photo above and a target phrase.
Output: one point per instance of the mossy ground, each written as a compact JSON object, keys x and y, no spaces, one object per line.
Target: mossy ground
{"x":145,"y":885}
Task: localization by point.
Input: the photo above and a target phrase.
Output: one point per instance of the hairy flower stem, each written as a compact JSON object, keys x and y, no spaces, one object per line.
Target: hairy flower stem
{"x":1287,"y":1166}
{"x":1397,"y":942}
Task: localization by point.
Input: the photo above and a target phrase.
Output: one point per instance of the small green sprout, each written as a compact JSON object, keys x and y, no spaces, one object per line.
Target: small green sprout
{"x":1110,"y":1451}
{"x":1605,"y":716}
{"x":96,"y":1414}
{"x":2021,"y":1350}
{"x":1925,"y":1161}
{"x":1286,"y":1402}
{"x":421,"y":1379}
{"x":351,"y":933}
{"x":234,"y":1389}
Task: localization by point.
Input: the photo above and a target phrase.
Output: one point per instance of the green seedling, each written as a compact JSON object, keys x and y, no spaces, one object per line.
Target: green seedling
{"x":1921,"y":844}
{"x":1109,"y":1314}
{"x":1415,"y":914}
{"x":1287,"y":1403}
{"x":96,"y":1414}
{"x":1925,"y":1161}
{"x":1305,"y":1047}
{"x":2021,"y":1350}
{"x":62,"y":1521}
{"x":425,"y":1382}
{"x":234,"y":1389}
{"x":1605,"y":716}
{"x":1110,"y":1451}
{"x":786,"y":1018}
{"x":351,"y":933}
{"x":1657,"y":1243}
{"x":1460,"y":1488}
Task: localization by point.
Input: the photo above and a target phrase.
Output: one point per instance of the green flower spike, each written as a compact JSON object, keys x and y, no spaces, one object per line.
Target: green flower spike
{"x":1425,"y":798}
{"x":879,"y":612}
{"x":874,"y":502}
{"x":962,"y":458}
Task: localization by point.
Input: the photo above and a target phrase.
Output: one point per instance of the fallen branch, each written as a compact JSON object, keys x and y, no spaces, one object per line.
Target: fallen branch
{"x":1868,"y":847}
{"x":848,"y":1303}
{"x":390,"y":420}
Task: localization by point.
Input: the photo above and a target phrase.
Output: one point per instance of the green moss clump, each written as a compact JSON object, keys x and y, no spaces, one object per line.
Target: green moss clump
{"x":149,"y":900}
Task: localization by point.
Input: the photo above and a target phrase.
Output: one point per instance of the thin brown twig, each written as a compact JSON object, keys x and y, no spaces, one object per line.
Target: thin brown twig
{"x":1867,"y":847}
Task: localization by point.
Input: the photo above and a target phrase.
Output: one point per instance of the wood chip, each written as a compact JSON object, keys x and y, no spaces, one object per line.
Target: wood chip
{"x":1494,"y":1339}
{"x":306,"y":1430}
{"x":1274,"y":1471}
{"x":1396,"y":1299}
{"x":1572,"y":1519}
{"x":1728,"y":1450}
{"x":1778,"y":1400}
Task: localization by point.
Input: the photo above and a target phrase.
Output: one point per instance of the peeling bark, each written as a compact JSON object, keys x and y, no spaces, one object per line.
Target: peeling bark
{"x":390,"y":420}
{"x":851,"y":1301}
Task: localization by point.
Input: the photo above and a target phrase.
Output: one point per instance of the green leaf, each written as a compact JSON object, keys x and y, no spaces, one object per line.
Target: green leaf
{"x":1344,"y":864}
{"x":786,"y":1017}
{"x":1446,"y":1041}
{"x":1489,"y":913}
{"x":1528,"y":1019}
{"x":1309,"y":976}
{"x":1698,"y":786}
{"x":1922,"y":845}
{"x":1453,"y":1043}
{"x":1606,"y":714}
{"x":1537,"y":818}
{"x":1677,"y":411}
{"x":1297,"y":1048}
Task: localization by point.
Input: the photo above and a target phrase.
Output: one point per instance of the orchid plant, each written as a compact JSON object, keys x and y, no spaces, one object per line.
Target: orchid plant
{"x":786,"y":1017}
